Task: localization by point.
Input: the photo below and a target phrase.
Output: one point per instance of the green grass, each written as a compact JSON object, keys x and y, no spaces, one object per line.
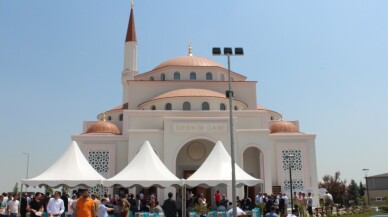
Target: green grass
{"x":365,"y":214}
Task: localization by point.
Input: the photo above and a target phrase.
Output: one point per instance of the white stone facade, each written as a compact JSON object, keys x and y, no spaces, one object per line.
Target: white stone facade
{"x":183,"y":138}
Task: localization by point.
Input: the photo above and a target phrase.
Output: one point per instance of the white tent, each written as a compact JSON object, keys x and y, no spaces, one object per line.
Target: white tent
{"x":71,"y":169}
{"x":217,"y":169}
{"x":146,"y":169}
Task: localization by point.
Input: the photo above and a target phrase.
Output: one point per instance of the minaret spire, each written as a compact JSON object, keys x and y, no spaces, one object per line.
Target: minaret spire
{"x":131,"y":31}
{"x":130,"y":55}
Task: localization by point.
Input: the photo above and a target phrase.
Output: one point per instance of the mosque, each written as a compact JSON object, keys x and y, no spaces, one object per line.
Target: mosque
{"x":180,"y":106}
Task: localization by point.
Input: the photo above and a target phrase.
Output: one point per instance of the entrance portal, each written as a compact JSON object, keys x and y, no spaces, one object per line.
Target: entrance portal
{"x":253,"y":164}
{"x":190,"y":158}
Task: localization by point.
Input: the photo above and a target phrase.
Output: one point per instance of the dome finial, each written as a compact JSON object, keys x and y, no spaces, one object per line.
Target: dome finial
{"x":190,"y":49}
{"x":132,"y":4}
{"x":103,"y":117}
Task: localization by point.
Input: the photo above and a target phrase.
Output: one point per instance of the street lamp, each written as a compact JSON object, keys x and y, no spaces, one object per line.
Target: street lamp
{"x":366,"y":182}
{"x":290,"y":157}
{"x":28,"y":162}
{"x":238,"y":51}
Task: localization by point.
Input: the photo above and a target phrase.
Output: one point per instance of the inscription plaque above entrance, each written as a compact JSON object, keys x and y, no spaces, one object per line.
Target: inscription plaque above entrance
{"x":199,"y":127}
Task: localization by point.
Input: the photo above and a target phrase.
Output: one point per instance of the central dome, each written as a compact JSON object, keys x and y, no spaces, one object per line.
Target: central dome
{"x":188,"y":61}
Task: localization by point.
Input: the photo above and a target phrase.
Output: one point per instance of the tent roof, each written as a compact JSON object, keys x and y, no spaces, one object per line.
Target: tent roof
{"x":71,"y":169}
{"x":146,"y":169}
{"x":217,"y":170}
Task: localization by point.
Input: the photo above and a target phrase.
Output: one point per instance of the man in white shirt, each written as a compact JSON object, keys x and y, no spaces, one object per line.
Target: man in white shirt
{"x":56,"y":206}
{"x":14,"y":207}
{"x":3,"y":205}
{"x":102,"y":209}
{"x":72,"y":204}
{"x":238,"y":210}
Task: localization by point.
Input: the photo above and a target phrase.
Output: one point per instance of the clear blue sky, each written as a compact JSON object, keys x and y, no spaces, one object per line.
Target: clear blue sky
{"x":324,"y":63}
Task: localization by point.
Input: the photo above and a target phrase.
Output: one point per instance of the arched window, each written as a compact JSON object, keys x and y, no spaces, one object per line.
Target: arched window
{"x":153,"y":107}
{"x":222,"y":78}
{"x":193,"y":76}
{"x":177,"y":76}
{"x":168,"y":106}
{"x":222,"y":106}
{"x":205,"y":106}
{"x":209,"y":76}
{"x":121,"y":117}
{"x":152,"y":78}
{"x":186,"y":106}
{"x":235,"y":107}
{"x":163,"y":77}
{"x":109,"y":118}
{"x":272,"y":118}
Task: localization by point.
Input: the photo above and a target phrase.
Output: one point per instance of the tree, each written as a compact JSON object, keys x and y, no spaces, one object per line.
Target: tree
{"x":354,"y":192}
{"x":15,"y":190}
{"x":361,"y":189}
{"x":49,"y":189}
{"x":335,"y":186}
{"x":65,"y":189}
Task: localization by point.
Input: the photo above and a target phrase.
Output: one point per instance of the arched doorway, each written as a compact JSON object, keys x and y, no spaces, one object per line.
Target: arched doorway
{"x":190,"y":157}
{"x":253,"y":164}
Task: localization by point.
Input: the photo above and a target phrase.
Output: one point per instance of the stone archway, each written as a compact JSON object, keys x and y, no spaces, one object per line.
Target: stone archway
{"x":253,"y":161}
{"x":189,"y":158}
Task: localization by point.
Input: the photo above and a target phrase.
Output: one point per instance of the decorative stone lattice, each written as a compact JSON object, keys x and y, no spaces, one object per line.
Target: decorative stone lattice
{"x":296,"y":169}
{"x":99,"y":159}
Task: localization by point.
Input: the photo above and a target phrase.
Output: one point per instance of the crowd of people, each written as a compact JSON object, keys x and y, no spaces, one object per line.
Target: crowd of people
{"x":81,"y":204}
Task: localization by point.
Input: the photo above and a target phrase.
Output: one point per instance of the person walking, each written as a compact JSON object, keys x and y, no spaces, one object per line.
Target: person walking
{"x":309,"y":201}
{"x":102,"y":209}
{"x":84,"y":206}
{"x":14,"y":207}
{"x":36,"y":206}
{"x":169,"y":207}
{"x":56,"y":206}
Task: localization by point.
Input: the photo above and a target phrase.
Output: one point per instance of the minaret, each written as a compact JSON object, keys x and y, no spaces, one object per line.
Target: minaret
{"x":130,"y":52}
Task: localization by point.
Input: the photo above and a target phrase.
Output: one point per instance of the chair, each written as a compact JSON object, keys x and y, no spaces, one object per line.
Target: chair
{"x":319,"y":210}
{"x":245,"y":215}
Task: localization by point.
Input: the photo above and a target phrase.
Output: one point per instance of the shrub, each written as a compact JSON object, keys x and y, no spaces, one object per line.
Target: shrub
{"x":384,"y":208}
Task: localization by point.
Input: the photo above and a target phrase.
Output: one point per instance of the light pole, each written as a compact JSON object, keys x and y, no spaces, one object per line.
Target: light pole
{"x":290,"y":157}
{"x":28,"y":163}
{"x":366,"y":183}
{"x":238,"y":51}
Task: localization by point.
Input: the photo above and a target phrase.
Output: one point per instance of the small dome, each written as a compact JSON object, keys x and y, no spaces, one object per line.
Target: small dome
{"x":188,"y":61}
{"x":103,"y":127}
{"x":283,"y":127}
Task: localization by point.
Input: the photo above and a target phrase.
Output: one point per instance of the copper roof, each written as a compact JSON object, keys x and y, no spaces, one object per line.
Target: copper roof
{"x":131,"y":31}
{"x":103,"y":127}
{"x":120,"y":107}
{"x":259,"y":107}
{"x":188,"y":61}
{"x":283,"y":127}
{"x":190,"y":93}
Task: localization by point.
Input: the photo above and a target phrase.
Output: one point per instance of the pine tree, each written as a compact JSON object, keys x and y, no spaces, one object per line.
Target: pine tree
{"x":361,"y":189}
{"x":15,"y":190}
{"x":354,"y":192}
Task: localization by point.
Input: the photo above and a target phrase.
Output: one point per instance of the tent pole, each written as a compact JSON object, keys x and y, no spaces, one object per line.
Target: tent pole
{"x":183,"y":198}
